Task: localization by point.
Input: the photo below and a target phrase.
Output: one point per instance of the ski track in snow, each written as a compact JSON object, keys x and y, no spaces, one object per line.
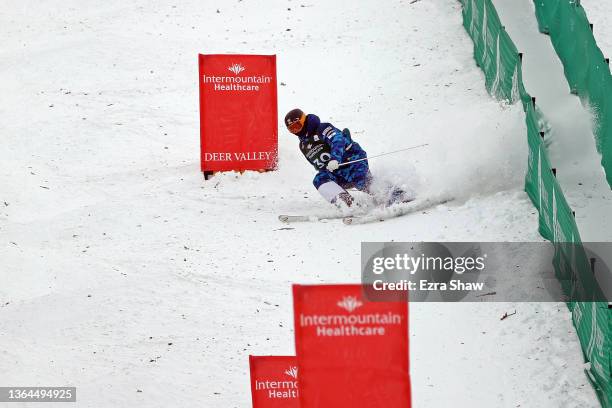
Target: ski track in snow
{"x":128,"y":276}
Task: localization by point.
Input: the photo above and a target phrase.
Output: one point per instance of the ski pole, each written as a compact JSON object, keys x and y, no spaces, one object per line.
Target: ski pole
{"x":382,"y":154}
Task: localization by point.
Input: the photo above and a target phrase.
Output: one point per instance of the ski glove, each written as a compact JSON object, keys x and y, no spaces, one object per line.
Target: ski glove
{"x":333,"y":165}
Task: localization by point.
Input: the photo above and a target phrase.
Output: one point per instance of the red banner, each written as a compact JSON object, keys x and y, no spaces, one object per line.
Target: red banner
{"x":238,"y":112}
{"x":274,"y":381}
{"x":351,"y":352}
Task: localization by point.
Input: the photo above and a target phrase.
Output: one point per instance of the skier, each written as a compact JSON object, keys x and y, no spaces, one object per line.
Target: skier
{"x":327,"y":148}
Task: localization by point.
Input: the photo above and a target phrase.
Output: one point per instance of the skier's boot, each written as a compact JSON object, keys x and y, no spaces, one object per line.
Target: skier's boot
{"x":335,"y":194}
{"x":399,"y":196}
{"x":344,"y":197}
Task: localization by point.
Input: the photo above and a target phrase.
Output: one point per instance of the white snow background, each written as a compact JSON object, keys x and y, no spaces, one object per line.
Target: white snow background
{"x":126,"y":275}
{"x":599,"y":13}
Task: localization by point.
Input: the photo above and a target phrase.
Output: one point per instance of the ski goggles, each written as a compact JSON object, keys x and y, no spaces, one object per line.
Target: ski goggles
{"x":296,"y":125}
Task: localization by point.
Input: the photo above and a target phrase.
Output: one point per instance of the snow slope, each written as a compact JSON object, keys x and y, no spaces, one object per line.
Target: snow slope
{"x":126,"y":275}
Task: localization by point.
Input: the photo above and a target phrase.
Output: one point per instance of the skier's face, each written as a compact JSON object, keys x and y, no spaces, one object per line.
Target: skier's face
{"x":296,"y":125}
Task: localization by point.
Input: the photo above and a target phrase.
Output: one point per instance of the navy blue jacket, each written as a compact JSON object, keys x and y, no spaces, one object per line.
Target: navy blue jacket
{"x":341,"y":146}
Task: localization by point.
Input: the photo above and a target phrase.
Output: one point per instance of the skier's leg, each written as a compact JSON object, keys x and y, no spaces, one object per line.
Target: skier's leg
{"x":365,"y":182}
{"x":358,"y":175}
{"x":326,"y":183}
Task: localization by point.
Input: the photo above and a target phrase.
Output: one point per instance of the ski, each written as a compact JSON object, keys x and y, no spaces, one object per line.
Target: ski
{"x":355,"y":211}
{"x":308,"y":218}
{"x":395,"y":211}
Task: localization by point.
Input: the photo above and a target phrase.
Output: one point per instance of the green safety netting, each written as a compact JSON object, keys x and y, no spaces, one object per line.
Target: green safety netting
{"x":586,"y":69}
{"x":500,"y":61}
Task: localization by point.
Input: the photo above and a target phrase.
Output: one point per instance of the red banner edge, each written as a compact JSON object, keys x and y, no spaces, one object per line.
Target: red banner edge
{"x":200,"y":103}
{"x":251,"y":365}
{"x":275,"y":164}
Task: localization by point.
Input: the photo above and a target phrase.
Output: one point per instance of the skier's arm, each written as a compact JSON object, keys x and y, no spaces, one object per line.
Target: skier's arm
{"x":337,"y":141}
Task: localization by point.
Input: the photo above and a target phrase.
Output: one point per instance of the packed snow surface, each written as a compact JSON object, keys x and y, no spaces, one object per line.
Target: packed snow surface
{"x":128,"y":276}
